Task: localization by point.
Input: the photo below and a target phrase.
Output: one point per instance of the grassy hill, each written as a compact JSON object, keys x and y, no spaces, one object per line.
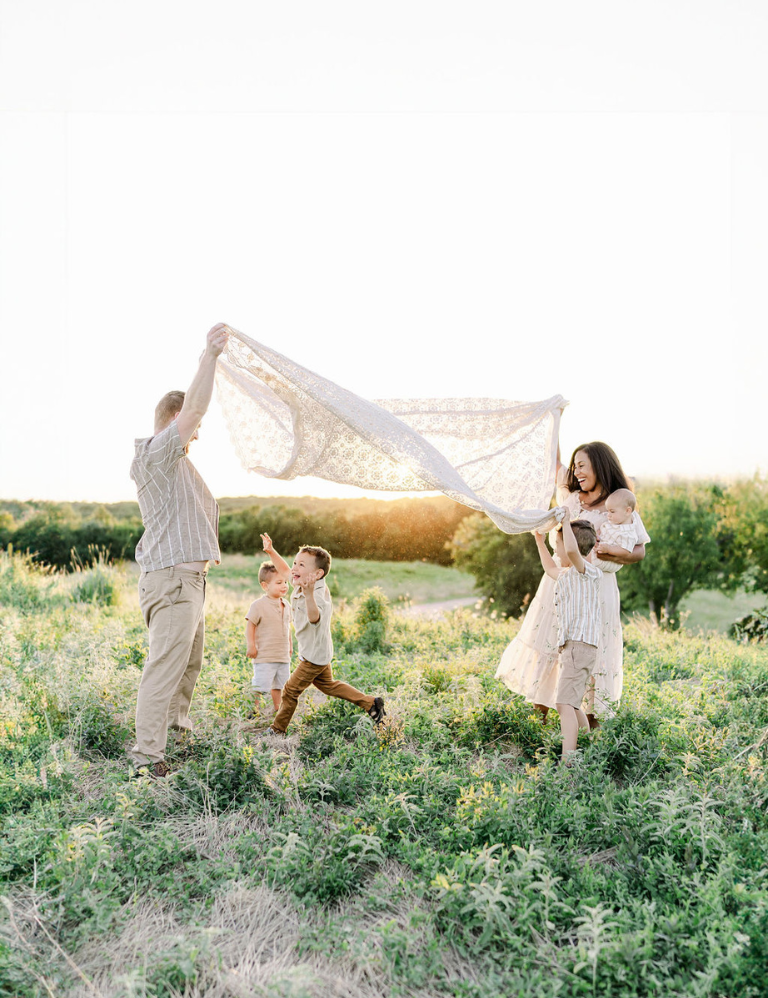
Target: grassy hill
{"x":444,"y":853}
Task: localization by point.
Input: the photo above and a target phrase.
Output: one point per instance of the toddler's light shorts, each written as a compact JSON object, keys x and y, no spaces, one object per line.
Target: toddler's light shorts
{"x":270,"y":676}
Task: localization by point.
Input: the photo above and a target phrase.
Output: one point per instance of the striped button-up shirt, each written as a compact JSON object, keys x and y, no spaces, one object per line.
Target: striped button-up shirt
{"x":180,"y":516}
{"x":577,"y":604}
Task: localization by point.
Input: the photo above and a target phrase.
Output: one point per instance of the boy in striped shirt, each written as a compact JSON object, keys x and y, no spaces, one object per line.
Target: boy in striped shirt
{"x":577,"y":605}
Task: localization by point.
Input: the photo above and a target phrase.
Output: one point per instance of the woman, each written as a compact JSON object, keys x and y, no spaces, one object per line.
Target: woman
{"x":529,"y":665}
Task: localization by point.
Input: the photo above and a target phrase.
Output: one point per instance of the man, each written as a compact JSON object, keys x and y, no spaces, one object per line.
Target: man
{"x":181,"y":521}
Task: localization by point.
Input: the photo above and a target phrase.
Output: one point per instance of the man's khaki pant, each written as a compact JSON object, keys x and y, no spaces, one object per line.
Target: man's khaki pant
{"x":306,"y":674}
{"x":172,"y":601}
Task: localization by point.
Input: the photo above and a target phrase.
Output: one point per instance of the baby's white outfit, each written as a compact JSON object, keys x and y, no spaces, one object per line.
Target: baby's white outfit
{"x":623,"y":535}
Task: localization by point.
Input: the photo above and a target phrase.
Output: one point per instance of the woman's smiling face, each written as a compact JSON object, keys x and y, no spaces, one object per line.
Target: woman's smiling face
{"x":583,"y":473}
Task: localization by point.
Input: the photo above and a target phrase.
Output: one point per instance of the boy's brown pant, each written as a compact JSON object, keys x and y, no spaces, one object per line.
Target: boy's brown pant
{"x":306,"y":674}
{"x":172,"y":603}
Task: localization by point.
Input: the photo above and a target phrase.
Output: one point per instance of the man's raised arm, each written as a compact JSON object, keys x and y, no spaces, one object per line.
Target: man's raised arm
{"x":198,"y":396}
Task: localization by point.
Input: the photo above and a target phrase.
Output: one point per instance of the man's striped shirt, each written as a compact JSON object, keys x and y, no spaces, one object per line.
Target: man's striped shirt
{"x":180,"y":516}
{"x":577,"y":605}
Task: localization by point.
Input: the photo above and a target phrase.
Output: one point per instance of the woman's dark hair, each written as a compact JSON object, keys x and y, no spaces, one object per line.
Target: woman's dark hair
{"x":607,"y":468}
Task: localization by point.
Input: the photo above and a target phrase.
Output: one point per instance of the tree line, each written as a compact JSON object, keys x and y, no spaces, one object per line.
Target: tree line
{"x":704,"y":536}
{"x":63,"y":535}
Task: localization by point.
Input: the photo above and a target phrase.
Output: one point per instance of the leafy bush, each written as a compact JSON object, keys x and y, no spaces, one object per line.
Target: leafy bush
{"x":97,"y":728}
{"x":228,"y":778}
{"x":101,"y":584}
{"x":690,"y":549}
{"x":58,"y":537}
{"x":506,"y":567}
{"x":514,"y":722}
{"x":22,"y":585}
{"x":371,"y":621}
{"x":752,"y":627}
{"x":327,"y":868}
{"x":335,"y":720}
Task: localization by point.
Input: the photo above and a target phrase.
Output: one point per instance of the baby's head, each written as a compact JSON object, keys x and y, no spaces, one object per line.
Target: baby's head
{"x":585,"y":535}
{"x":620,"y":505}
{"x":310,"y":559}
{"x":272,"y":582}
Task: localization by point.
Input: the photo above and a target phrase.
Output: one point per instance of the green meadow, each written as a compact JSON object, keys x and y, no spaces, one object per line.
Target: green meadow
{"x":401,"y":581}
{"x":444,"y":853}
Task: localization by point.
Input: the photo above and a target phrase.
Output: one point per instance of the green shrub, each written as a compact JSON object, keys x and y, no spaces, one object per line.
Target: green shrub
{"x":101,"y":584}
{"x":230,"y":777}
{"x":17,"y":975}
{"x":175,"y":971}
{"x":326,"y":868}
{"x":335,"y":720}
{"x":506,"y":567}
{"x":492,"y":724}
{"x":97,"y":729}
{"x":372,"y":615}
{"x":24,"y":585}
{"x":752,"y":627}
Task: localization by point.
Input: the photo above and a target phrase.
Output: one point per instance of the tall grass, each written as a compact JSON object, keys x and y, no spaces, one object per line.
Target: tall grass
{"x":443,"y":853}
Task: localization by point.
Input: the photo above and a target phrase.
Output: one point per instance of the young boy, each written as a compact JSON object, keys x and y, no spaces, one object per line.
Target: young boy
{"x":312,"y":610}
{"x":577,"y":604}
{"x":268,"y":636}
{"x":619,"y":533}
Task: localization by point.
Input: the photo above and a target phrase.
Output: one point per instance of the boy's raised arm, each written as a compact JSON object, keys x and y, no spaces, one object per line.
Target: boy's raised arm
{"x":313,"y":610}
{"x":280,"y":563}
{"x":571,"y":545}
{"x":547,"y":561}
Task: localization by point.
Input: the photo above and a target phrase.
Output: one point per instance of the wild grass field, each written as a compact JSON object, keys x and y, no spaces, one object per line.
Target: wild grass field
{"x":445,"y":853}
{"x":401,"y":581}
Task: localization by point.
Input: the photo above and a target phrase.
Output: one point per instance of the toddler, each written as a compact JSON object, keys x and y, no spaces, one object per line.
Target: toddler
{"x":268,"y":636}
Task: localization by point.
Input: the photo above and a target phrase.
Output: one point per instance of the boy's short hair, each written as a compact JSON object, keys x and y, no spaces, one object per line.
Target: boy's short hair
{"x":585,"y":535}
{"x":265,"y":570}
{"x":625,"y":497}
{"x":321,"y":556}
{"x":166,"y":409}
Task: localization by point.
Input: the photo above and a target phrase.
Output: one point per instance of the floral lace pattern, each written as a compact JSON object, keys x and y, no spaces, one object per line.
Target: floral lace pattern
{"x":492,"y":455}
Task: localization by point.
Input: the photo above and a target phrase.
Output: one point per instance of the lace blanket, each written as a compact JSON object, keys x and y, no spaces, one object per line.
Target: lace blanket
{"x":493,"y":455}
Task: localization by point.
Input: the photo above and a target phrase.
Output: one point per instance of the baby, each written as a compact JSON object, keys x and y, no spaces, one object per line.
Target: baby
{"x":619,"y":529}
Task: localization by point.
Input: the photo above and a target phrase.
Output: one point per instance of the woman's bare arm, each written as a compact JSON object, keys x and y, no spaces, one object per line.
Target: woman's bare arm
{"x":612,"y":552}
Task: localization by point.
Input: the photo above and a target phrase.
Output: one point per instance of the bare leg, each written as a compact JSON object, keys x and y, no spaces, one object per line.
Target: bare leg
{"x":571,"y":719}
{"x":276,"y":698}
{"x":542,"y":710}
{"x":589,"y":703}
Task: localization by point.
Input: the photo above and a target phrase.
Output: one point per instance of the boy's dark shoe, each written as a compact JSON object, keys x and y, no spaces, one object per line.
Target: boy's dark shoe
{"x":154,"y":770}
{"x":271,"y":733}
{"x":377,"y":712}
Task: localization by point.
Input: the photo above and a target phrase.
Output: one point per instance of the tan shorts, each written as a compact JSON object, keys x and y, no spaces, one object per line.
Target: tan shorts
{"x":577,"y":660}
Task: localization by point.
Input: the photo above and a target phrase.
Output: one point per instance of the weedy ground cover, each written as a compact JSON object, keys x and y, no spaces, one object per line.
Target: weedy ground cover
{"x":443,"y":853}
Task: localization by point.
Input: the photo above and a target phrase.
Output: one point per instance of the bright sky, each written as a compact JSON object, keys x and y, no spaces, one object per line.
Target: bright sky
{"x":501,"y":198}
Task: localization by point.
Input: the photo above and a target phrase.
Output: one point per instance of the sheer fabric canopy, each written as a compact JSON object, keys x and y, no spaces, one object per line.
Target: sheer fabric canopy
{"x":492,"y":455}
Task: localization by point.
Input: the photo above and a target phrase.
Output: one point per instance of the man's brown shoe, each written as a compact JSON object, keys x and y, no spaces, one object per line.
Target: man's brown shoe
{"x":154,"y":770}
